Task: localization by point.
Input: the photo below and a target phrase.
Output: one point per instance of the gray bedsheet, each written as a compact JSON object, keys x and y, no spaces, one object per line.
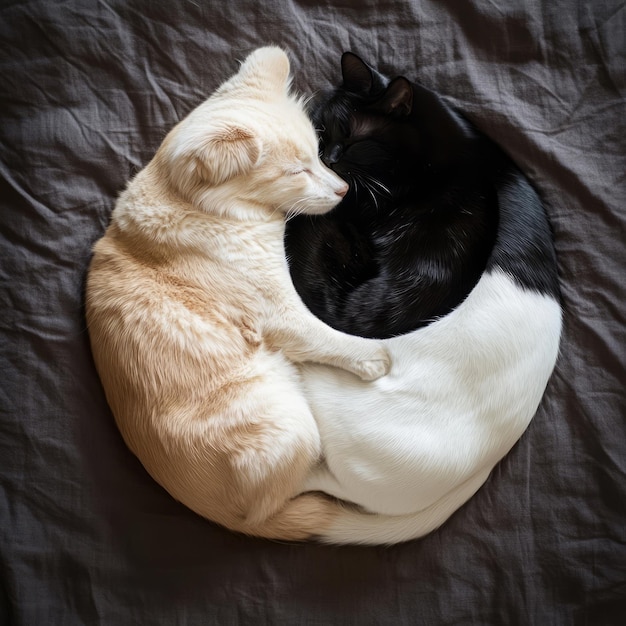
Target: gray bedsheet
{"x":88,"y":90}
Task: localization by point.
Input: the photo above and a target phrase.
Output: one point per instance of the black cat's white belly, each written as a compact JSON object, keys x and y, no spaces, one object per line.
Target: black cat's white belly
{"x":419,"y":442}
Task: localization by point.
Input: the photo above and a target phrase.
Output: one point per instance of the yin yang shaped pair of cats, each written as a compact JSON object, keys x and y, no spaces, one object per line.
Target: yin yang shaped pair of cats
{"x":442,"y":249}
{"x":201,"y":340}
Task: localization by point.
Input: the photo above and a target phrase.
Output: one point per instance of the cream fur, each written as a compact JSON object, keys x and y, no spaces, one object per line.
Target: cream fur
{"x":194,"y":322}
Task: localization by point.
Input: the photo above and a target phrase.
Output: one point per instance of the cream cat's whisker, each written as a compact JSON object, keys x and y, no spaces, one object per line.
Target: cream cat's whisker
{"x":298,"y":208}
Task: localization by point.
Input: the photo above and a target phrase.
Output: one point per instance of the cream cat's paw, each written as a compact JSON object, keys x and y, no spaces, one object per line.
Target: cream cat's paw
{"x":372,"y":369}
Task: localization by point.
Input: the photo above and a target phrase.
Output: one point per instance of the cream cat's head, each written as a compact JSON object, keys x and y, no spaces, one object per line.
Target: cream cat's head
{"x":251,"y":144}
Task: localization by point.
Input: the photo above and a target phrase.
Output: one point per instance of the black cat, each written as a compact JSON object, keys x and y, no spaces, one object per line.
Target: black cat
{"x":415,"y":231}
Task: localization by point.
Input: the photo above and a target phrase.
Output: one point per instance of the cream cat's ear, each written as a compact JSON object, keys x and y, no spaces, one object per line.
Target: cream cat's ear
{"x":210,"y":158}
{"x":266,"y":68}
{"x":230,"y":152}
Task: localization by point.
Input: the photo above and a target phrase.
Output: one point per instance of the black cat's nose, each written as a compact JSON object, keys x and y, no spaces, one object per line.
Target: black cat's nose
{"x":332,"y":155}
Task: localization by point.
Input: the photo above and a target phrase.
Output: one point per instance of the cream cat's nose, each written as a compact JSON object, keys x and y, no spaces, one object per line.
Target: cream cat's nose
{"x":343,"y":190}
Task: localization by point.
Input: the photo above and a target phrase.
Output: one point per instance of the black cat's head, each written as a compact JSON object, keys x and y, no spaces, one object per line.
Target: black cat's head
{"x":377,"y":133}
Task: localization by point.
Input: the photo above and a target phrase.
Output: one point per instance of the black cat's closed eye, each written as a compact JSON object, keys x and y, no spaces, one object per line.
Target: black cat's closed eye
{"x":332,"y":154}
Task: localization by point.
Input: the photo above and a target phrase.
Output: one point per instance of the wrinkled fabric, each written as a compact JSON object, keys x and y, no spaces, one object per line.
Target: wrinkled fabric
{"x":88,"y":91}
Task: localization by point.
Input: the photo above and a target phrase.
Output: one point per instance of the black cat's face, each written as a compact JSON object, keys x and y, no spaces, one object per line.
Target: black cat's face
{"x":386,"y":137}
{"x":365,"y":133}
{"x":355,"y":140}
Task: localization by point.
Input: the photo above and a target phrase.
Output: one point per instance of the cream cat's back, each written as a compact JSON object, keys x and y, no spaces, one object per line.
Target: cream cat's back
{"x":142,"y":319}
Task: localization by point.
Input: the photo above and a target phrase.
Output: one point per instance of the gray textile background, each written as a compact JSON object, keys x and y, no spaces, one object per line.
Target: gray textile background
{"x":87,"y":91}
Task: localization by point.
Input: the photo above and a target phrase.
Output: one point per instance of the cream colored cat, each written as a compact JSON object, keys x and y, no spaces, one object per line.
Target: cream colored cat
{"x":193,"y":319}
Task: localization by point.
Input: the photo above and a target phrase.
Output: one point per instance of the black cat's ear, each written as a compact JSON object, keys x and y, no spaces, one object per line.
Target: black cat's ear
{"x":398,"y":98}
{"x":357,"y":75}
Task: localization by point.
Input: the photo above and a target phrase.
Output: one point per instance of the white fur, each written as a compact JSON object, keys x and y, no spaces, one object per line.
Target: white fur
{"x":416,"y":444}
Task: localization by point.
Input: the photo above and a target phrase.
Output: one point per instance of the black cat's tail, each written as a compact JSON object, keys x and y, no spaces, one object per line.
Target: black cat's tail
{"x":353,"y":526}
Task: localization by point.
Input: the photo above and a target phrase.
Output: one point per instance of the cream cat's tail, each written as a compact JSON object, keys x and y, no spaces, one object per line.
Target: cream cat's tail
{"x":316,"y":516}
{"x":356,"y":527}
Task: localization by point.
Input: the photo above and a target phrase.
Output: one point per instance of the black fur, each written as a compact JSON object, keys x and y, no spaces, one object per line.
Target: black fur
{"x":418,"y":225}
{"x":524,"y":246}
